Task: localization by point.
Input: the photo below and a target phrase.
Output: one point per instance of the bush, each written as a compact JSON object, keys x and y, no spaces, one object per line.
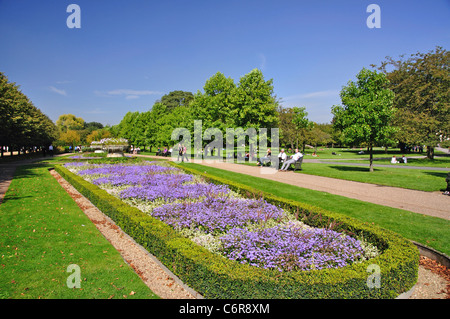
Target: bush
{"x":215,"y":276}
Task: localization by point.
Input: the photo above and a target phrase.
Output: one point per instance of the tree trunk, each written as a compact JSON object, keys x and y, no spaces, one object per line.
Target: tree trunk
{"x":370,"y":158}
{"x":430,"y":152}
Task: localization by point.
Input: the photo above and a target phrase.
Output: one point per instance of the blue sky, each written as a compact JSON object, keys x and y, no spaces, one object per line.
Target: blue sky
{"x":128,"y":54}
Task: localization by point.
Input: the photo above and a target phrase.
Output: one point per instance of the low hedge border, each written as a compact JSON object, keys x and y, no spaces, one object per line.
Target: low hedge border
{"x":215,"y":276}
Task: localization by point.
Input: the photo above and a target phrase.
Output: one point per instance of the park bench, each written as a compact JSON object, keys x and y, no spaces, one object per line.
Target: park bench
{"x":298,"y":164}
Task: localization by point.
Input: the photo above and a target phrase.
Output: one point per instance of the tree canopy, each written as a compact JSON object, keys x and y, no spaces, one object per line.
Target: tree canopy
{"x":421,"y":84}
{"x":366,"y":111}
{"x":22,"y":124}
{"x":224,"y":104}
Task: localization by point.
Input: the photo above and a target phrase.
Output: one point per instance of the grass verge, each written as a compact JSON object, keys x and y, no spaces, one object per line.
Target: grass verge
{"x":42,"y":232}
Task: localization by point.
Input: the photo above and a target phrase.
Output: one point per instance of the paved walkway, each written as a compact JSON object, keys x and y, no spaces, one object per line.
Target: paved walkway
{"x":427,"y":203}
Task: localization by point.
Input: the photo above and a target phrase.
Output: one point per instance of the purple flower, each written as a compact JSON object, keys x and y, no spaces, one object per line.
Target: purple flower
{"x":210,"y":209}
{"x":288,"y":248}
{"x":216,"y":214}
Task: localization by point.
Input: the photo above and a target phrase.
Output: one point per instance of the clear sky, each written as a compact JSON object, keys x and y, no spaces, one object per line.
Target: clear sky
{"x":128,"y":54}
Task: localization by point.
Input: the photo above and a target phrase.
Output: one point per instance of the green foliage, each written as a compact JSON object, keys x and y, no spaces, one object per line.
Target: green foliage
{"x":68,"y":122}
{"x":367,"y":110}
{"x":22,"y":124}
{"x":177,"y":98}
{"x":215,"y":276}
{"x":250,"y":103}
{"x":422,"y":93}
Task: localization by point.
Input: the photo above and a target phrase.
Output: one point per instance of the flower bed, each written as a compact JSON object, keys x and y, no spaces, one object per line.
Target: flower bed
{"x":246,"y":230}
{"x":234,"y":251}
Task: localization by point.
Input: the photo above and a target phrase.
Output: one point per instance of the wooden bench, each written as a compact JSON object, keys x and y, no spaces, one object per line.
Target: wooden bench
{"x":298,"y":164}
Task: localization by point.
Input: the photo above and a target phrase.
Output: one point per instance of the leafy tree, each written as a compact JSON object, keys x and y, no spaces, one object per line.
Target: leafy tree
{"x":128,"y":127}
{"x":177,"y":98}
{"x":302,"y":124}
{"x":288,"y":131}
{"x":421,"y":85}
{"x":98,"y":135}
{"x":22,"y":125}
{"x":215,"y":107}
{"x":70,"y":137}
{"x":367,"y":110}
{"x":91,"y":126}
{"x":67,"y":122}
{"x":317,"y":136}
{"x":255,"y":102}
{"x":250,"y":104}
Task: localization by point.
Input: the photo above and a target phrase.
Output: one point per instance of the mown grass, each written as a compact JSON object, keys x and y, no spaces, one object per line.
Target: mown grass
{"x":428,"y":230}
{"x":438,"y":161}
{"x":418,"y":179}
{"x":42,"y":232}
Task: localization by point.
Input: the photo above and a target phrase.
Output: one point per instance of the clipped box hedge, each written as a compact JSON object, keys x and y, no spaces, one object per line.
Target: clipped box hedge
{"x":215,"y":276}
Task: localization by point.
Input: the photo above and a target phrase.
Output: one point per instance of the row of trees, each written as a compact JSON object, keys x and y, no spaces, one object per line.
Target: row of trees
{"x":402,"y":102}
{"x":23,"y":127}
{"x":223,"y":104}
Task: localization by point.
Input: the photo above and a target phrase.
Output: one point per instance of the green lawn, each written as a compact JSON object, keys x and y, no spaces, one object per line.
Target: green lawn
{"x":438,"y":161}
{"x":430,"y":231}
{"x":42,"y":232}
{"x":418,"y":179}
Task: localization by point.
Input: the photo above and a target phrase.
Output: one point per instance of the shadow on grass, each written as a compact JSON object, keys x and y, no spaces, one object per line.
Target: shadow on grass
{"x":442,"y":175}
{"x":352,"y":168}
{"x":26,"y":171}
{"x":21,"y":172}
{"x":8,"y":198}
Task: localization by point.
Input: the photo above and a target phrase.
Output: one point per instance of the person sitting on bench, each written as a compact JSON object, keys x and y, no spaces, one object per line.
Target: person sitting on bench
{"x":281,"y":157}
{"x":293,"y":159}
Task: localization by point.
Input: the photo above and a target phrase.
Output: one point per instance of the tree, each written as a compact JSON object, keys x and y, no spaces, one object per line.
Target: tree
{"x":97,"y":135}
{"x":255,"y":102}
{"x":22,"y":125}
{"x":367,"y":110}
{"x":67,"y":122}
{"x":421,"y":85}
{"x":216,"y":107}
{"x":129,"y":129}
{"x":302,"y":124}
{"x":288,"y":132}
{"x":317,"y":136}
{"x":70,"y":137}
{"x":177,"y":98}
{"x":250,"y":104}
